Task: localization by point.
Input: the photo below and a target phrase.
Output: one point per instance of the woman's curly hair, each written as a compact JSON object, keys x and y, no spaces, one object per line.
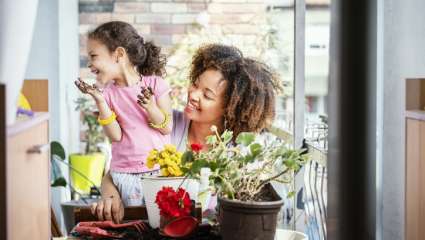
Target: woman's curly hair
{"x":146,"y":56}
{"x":250,"y":95}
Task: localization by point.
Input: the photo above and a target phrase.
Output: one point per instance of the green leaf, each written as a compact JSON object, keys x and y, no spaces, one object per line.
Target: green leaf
{"x":291,"y":194}
{"x":187,"y":157}
{"x":213,"y":166}
{"x":248,"y":158}
{"x":197,"y":165}
{"x":256,"y":149}
{"x":227,"y":136}
{"x":59,"y":182}
{"x":56,"y":149}
{"x":245,"y":138}
{"x":57,"y":179}
{"x":211,"y":140}
{"x":290,"y":163}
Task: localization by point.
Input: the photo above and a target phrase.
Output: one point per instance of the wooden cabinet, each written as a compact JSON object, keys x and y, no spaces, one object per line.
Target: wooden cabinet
{"x":24,"y":172}
{"x":415,"y":179}
{"x":415,"y":160}
{"x":27,"y":179}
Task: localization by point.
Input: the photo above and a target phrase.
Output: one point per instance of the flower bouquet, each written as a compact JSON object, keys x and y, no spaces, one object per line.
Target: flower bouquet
{"x":171,"y":175}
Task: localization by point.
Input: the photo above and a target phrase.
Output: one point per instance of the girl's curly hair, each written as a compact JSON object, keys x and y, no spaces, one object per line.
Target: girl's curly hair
{"x":250,"y":95}
{"x":146,"y":56}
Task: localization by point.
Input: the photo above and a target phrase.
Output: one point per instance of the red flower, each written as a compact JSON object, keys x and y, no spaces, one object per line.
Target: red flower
{"x":172,"y":203}
{"x":196,"y":147}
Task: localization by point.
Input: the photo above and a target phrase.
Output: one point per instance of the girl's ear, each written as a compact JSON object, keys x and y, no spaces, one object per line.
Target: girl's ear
{"x":119,"y":53}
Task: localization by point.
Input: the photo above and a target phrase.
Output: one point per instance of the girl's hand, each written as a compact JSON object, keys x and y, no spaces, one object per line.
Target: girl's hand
{"x":92,"y":90}
{"x":146,"y":99}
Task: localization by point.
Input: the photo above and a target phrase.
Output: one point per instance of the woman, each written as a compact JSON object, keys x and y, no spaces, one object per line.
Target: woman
{"x":226,"y":90}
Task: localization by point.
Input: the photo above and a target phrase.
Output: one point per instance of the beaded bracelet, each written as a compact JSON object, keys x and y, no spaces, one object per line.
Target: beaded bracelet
{"x":108,"y":120}
{"x":164,"y":123}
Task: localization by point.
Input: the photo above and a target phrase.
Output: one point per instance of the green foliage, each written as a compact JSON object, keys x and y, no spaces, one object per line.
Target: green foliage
{"x":93,"y":131}
{"x":57,"y":153}
{"x":245,"y":138}
{"x":241,"y":171}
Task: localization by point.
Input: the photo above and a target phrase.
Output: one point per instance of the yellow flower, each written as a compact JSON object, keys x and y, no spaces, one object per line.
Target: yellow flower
{"x":171,"y":171}
{"x":164,"y":172}
{"x":153,"y":152}
{"x":179,"y":172}
{"x":164,"y":154}
{"x":169,"y":162}
{"x":174,"y":159}
{"x":150,"y":163}
{"x":174,"y":170}
{"x":161,"y":162}
{"x":170,"y":148}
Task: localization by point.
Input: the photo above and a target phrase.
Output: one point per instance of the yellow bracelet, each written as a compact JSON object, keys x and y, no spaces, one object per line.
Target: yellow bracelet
{"x":164,"y":123}
{"x":107,"y":121}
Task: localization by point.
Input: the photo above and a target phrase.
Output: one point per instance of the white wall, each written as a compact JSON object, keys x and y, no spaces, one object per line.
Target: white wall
{"x":404,"y":57}
{"x":43,"y":62}
{"x":55,"y":55}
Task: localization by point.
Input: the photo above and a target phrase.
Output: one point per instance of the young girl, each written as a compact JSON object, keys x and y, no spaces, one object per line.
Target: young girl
{"x":134,"y":104}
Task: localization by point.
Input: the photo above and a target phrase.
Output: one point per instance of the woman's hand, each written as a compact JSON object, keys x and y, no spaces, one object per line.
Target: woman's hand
{"x":110,"y":208}
{"x":92,"y":90}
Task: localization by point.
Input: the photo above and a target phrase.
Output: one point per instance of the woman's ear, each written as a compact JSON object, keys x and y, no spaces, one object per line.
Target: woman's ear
{"x":120,"y":53}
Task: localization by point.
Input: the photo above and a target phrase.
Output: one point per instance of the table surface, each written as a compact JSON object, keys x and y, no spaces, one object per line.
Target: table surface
{"x":281,"y":234}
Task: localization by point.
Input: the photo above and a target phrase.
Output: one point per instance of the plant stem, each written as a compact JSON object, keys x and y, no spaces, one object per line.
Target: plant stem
{"x":271,"y":178}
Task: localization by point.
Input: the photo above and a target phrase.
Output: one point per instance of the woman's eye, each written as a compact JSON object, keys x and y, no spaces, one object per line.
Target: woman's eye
{"x":208,"y":97}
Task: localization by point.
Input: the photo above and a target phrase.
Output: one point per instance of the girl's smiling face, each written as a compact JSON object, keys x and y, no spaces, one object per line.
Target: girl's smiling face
{"x":205,"y":102}
{"x":102,"y":62}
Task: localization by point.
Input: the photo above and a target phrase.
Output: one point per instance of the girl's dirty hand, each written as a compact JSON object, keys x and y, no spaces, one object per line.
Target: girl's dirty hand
{"x":146,"y":98}
{"x":92,"y":90}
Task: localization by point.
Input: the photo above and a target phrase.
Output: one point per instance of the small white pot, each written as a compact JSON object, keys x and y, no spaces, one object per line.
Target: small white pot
{"x":151,"y":185}
{"x":284,"y":234}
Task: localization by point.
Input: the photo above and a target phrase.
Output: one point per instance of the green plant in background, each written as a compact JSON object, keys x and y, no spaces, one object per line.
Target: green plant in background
{"x":57,"y":154}
{"x":93,"y":131}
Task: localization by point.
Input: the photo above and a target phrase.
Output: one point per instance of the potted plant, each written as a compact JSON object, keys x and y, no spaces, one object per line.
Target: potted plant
{"x":168,"y":160}
{"x":91,"y":161}
{"x":57,"y":155}
{"x":241,"y":174}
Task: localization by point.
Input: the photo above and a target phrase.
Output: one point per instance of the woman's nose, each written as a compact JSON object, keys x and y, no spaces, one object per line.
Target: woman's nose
{"x":194,"y":95}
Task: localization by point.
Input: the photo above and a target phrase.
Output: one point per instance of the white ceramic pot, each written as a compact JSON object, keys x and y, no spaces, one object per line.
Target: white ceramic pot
{"x":284,"y":234}
{"x":151,"y":185}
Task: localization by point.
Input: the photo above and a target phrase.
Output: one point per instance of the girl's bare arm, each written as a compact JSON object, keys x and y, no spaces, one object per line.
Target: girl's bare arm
{"x":153,"y":108}
{"x":112,"y":130}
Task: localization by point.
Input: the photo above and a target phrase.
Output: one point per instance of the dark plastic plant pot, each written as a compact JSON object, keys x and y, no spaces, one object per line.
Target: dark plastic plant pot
{"x":249,"y":220}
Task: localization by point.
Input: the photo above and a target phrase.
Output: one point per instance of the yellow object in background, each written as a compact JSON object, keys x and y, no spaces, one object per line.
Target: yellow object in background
{"x":91,"y":166}
{"x":23,"y":102}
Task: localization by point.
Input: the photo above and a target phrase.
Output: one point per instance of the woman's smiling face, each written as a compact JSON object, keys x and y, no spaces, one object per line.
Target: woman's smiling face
{"x":205,"y":103}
